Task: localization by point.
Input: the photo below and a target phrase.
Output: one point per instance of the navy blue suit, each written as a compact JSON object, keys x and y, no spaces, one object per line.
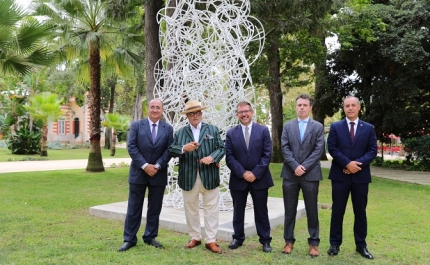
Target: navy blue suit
{"x":343,"y":150}
{"x":143,"y":150}
{"x":255,"y":159}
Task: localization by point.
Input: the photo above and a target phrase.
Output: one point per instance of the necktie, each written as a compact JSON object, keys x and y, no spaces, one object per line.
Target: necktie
{"x":154,"y":133}
{"x":302,"y":129}
{"x":247,"y":136}
{"x":351,"y":130}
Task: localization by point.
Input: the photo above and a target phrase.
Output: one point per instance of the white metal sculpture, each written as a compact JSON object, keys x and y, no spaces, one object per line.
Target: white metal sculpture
{"x":203,"y":44}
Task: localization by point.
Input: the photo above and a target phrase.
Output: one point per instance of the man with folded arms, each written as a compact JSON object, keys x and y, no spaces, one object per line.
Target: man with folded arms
{"x":200,"y":149}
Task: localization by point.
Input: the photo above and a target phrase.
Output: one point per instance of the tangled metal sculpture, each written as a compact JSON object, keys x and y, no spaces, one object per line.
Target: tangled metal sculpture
{"x":203,"y":44}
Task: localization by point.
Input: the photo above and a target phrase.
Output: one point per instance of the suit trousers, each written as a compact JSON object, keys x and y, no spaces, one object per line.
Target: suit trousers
{"x":340,"y":194}
{"x":261,"y":215}
{"x":134,"y":211}
{"x":291,"y":189}
{"x":210,"y":211}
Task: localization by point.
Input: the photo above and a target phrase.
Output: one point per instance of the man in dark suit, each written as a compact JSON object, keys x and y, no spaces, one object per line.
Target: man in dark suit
{"x":352,"y":144}
{"x":302,"y":145}
{"x":148,"y":142}
{"x":248,"y":153}
{"x":200,"y":149}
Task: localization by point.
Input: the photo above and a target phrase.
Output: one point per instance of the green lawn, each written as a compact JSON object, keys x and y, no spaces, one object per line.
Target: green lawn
{"x":44,"y":219}
{"x":64,"y":154}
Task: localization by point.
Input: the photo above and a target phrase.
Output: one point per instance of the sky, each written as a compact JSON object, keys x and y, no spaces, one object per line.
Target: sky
{"x":23,"y":3}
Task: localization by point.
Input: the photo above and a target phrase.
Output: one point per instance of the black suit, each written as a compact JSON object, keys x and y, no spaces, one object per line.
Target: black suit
{"x":255,"y":159}
{"x":343,"y":150}
{"x":143,"y":150}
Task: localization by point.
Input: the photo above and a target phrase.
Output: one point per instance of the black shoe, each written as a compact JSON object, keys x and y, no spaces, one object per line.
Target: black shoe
{"x":153,"y":243}
{"x":267,"y":248}
{"x":235,"y":244}
{"x":364,"y":253}
{"x":126,"y":246}
{"x":333,"y":250}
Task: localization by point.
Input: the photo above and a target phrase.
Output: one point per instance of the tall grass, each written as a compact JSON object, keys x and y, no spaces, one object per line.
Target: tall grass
{"x":44,"y":219}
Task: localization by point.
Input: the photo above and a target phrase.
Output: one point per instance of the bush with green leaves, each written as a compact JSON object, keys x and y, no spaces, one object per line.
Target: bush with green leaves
{"x":24,"y":141}
{"x":418,"y":150}
{"x":56,"y":145}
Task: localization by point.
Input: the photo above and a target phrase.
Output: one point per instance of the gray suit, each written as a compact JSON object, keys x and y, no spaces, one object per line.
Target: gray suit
{"x":306,"y":153}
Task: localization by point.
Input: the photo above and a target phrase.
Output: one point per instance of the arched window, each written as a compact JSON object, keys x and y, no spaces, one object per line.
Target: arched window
{"x":76,"y":130}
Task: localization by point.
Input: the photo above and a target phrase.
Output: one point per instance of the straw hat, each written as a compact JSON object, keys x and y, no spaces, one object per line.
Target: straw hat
{"x":193,"y":106}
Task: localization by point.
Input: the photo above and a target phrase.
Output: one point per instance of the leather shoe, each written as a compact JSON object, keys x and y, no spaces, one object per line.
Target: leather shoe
{"x":313,"y":251}
{"x":213,"y":247}
{"x":364,"y":253}
{"x":193,"y":243}
{"x":288,"y":248}
{"x":126,"y":246}
{"x":267,"y":248}
{"x":235,"y":244}
{"x":333,"y":250}
{"x":153,"y":243}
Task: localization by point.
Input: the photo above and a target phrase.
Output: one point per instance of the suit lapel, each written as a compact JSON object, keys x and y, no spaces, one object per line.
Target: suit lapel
{"x":203,"y":132}
{"x":346,"y":130}
{"x":241,"y":137}
{"x":145,"y":125}
{"x":188,"y":131}
{"x":307,"y":130}
{"x":160,"y":131}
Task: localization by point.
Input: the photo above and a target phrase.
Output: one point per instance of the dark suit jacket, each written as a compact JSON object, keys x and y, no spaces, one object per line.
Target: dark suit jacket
{"x":142,"y":150}
{"x":343,"y":150}
{"x":255,"y":159}
{"x":210,"y":144}
{"x":307,"y":152}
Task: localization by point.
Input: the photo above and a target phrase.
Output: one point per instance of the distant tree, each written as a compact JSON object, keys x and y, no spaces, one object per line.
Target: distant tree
{"x":384,"y":60}
{"x":85,"y":29}
{"x":22,"y":46}
{"x":45,"y":107}
{"x":117,"y":122}
{"x":288,"y":53}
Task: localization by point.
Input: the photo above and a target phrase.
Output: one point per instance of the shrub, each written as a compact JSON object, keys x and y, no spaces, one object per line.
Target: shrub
{"x":419,"y":152}
{"x":24,"y":141}
{"x":57,"y":145}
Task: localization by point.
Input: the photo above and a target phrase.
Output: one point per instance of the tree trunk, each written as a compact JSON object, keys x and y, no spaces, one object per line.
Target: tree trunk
{"x":44,"y":148}
{"x":112,"y":149}
{"x":95,"y":161}
{"x":275,"y":95}
{"x":152,"y":44}
{"x":320,"y":78}
{"x":111,"y":82}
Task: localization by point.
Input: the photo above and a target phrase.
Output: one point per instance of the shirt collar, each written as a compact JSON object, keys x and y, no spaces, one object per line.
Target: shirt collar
{"x":199,"y":126}
{"x":306,"y":120}
{"x":249,"y":126}
{"x":354,"y":121}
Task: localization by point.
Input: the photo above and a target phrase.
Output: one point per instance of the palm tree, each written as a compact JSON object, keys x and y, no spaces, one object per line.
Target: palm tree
{"x":45,"y":107}
{"x":84,"y":28}
{"x":117,"y":122}
{"x":21,"y":40}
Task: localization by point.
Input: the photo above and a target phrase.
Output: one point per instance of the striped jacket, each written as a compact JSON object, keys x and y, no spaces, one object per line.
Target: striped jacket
{"x":210,"y":144}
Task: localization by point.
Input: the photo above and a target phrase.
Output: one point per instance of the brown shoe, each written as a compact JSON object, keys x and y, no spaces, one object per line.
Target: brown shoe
{"x":313,"y":251}
{"x":193,"y":243}
{"x":213,"y":247}
{"x":288,"y":248}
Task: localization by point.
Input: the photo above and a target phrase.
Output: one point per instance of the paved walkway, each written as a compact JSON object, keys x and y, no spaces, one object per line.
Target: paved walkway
{"x":422,"y":178}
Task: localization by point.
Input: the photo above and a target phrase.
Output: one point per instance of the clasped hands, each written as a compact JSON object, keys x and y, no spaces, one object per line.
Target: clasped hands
{"x":299,"y":171}
{"x":352,"y":167}
{"x":249,"y":176}
{"x":151,"y":170}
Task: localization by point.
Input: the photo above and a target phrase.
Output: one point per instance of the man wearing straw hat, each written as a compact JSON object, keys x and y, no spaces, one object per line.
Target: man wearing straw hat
{"x":200,"y":149}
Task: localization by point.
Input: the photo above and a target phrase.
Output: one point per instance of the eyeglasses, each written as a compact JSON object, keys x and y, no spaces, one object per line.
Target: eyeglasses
{"x":243,"y":112}
{"x":192,"y":114}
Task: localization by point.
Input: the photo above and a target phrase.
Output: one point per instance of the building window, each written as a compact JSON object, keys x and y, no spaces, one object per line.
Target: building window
{"x":61,"y":127}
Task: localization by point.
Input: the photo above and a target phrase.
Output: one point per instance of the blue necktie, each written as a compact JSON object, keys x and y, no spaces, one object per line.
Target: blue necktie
{"x":154,"y":133}
{"x":302,"y":129}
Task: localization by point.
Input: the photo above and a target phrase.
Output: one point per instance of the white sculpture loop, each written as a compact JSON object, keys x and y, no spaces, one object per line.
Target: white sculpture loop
{"x":203,"y":58}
